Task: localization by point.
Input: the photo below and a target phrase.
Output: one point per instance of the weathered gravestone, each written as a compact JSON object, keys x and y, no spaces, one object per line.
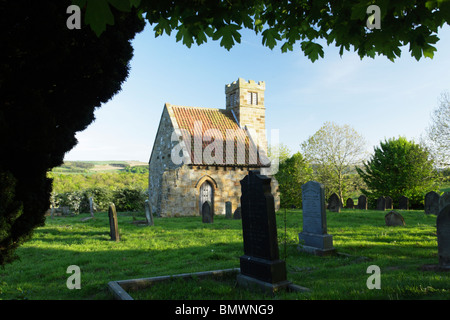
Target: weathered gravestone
{"x":389,"y":203}
{"x":443,"y":237}
{"x":350,"y":204}
{"x":207,"y":212}
{"x":444,"y":200}
{"x":362,"y":202}
{"x":314,"y":234}
{"x":403,"y":203}
{"x":381,"y":203}
{"x":91,"y":206}
{"x":260,"y":265}
{"x":334,"y":203}
{"x":237,"y":213}
{"x":432,"y":203}
{"x":148,"y":213}
{"x":228,"y":210}
{"x":393,"y":218}
{"x":113,"y":223}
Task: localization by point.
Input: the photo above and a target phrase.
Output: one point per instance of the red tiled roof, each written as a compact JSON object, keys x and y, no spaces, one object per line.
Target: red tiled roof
{"x":205,"y":125}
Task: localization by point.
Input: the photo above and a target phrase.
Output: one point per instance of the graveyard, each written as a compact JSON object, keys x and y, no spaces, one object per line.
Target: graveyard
{"x":175,"y":246}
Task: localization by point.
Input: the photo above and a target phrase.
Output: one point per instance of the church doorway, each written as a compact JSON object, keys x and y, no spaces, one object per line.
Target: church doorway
{"x":206,"y":194}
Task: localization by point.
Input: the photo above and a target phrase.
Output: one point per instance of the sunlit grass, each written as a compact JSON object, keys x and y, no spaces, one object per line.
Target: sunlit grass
{"x":183,"y":245}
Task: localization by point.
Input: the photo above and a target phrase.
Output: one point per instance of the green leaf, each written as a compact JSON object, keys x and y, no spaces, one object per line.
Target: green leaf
{"x":270,"y":37}
{"x":122,"y":5}
{"x":312,"y":50}
{"x":98,"y":15}
{"x":229,"y":34}
{"x":185,"y":35}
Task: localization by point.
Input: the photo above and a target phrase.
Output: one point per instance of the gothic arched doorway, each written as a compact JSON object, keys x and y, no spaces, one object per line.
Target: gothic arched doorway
{"x":206,"y":194}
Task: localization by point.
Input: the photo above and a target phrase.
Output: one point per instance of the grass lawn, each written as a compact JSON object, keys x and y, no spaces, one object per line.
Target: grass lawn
{"x":183,"y":245}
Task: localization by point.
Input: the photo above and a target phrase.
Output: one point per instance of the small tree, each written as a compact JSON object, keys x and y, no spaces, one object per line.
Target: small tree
{"x":292,"y":174}
{"x":333,"y":151}
{"x":399,"y":167}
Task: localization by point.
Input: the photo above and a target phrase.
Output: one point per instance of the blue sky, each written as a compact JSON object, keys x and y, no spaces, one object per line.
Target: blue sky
{"x":378,"y":98}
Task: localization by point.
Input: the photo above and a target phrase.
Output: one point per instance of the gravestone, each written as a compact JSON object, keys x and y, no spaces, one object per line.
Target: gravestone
{"x":228,"y":210}
{"x":381,"y":203}
{"x":403,"y":203}
{"x":432,"y":203}
{"x":314,"y":234}
{"x":113,"y":223}
{"x":334,"y":203}
{"x":148,"y":213}
{"x":444,"y":200}
{"x":393,"y":218}
{"x":362,"y":202}
{"x":207,"y":212}
{"x":389,"y":203}
{"x":260,"y":265}
{"x":237,"y":213}
{"x":350,"y":204}
{"x":443,"y":237}
{"x":91,"y":206}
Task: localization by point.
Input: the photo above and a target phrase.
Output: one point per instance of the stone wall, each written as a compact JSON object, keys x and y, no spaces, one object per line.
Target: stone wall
{"x":181,"y":189}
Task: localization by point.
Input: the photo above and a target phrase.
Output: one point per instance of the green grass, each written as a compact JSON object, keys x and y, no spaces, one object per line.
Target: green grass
{"x":183,"y":245}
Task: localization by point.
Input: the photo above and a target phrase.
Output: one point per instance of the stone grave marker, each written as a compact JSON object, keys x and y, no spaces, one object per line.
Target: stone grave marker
{"x":113,"y":223}
{"x":444,"y":200}
{"x":443,"y":237}
{"x":362,"y":202}
{"x":393,"y":218}
{"x":334,"y":203}
{"x":389,"y":203}
{"x":260,"y":265}
{"x":91,"y":206}
{"x":350,"y":204}
{"x":237,"y":213}
{"x":148,"y":213}
{"x":314,"y":234}
{"x":432,"y":203}
{"x":228,"y":210}
{"x":207,"y":212}
{"x":403,"y":203}
{"x":381,"y":203}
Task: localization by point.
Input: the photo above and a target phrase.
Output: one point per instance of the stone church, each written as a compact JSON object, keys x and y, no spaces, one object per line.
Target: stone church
{"x":202,"y":154}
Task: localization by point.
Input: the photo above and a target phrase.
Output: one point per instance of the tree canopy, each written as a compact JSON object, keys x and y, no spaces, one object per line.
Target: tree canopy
{"x":307,"y":24}
{"x":398,"y":168}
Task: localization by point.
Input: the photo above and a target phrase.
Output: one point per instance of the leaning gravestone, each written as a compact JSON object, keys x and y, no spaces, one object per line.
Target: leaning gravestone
{"x":389,"y":203}
{"x":350,"y":204}
{"x":228,"y":211}
{"x":260,"y":265}
{"x":403,"y":203}
{"x":113,"y":223}
{"x":393,"y":218}
{"x":381,"y":203}
{"x":432,"y":203}
{"x":334,"y":203}
{"x":362,"y":202}
{"x":207,"y":212}
{"x":314,"y":234}
{"x":443,"y":237}
{"x":444,"y":200}
{"x":148,"y":213}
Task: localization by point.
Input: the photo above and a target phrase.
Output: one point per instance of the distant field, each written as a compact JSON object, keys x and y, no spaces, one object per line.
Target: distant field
{"x":97,"y":166}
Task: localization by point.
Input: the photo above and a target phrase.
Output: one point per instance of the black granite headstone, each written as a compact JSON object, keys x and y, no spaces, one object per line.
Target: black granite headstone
{"x":362,"y":202}
{"x":334,"y":203}
{"x":237,"y":213}
{"x":393,"y":218}
{"x":260,"y":263}
{"x":432,"y":203}
{"x":228,"y":210}
{"x":207,"y":212}
{"x":381,"y":203}
{"x":403,"y":203}
{"x":443,"y":237}
{"x":350,"y":204}
{"x":314,"y":234}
